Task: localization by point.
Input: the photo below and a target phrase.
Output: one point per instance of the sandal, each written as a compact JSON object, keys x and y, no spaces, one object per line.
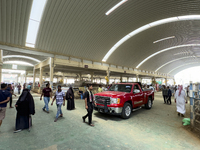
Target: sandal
{"x":91,"y":125}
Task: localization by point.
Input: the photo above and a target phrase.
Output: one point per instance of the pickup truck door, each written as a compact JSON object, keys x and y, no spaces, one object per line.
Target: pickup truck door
{"x":137,"y":96}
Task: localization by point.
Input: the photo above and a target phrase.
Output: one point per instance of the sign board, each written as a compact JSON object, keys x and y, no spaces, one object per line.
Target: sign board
{"x":86,"y":66}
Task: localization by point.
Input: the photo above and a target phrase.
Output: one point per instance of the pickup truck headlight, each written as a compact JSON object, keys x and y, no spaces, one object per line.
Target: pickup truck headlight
{"x":114,"y":100}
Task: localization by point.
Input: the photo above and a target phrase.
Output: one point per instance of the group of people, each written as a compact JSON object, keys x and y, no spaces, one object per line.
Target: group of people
{"x":60,"y":100}
{"x":180,"y":98}
{"x":24,"y":106}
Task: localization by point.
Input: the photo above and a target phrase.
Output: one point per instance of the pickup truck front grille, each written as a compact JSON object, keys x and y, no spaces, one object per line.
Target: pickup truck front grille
{"x":102,"y":100}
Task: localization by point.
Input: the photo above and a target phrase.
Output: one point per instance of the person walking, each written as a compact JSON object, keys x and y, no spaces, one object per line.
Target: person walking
{"x":4,"y":99}
{"x":169,"y":96}
{"x":70,"y":99}
{"x":180,"y":101}
{"x":19,"y":88}
{"x":25,"y":107}
{"x":188,"y":90}
{"x":47,"y":93}
{"x":60,"y":100}
{"x":10,"y":90}
{"x":89,"y":100}
{"x":164,"y":93}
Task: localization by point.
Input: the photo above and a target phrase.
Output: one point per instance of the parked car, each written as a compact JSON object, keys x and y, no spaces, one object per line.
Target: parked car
{"x":123,"y":98}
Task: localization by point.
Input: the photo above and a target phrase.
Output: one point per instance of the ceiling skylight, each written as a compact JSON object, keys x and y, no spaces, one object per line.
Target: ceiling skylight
{"x":20,"y":56}
{"x":181,"y":53}
{"x":167,"y":49}
{"x":147,"y":26}
{"x":115,"y":7}
{"x":171,"y":37}
{"x":34,"y":22}
{"x":23,"y":63}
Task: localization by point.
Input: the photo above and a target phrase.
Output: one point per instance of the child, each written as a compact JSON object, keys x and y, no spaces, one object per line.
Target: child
{"x":60,"y":100}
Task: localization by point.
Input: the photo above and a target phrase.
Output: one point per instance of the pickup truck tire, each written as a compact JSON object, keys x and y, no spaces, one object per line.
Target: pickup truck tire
{"x":148,"y":105}
{"x":126,"y":112}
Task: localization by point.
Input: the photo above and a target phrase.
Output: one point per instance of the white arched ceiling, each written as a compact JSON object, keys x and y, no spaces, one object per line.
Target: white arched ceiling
{"x":163,"y":50}
{"x":173,"y":61}
{"x":21,"y":56}
{"x":184,"y":65}
{"x":23,"y":63}
{"x":81,"y":29}
{"x":148,"y":26}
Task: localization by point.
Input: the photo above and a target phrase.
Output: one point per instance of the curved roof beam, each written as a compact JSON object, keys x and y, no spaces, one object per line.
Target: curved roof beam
{"x":167,"y":49}
{"x":147,"y":26}
{"x":173,"y":61}
{"x":20,"y":56}
{"x":182,"y":66}
{"x":23,"y":63}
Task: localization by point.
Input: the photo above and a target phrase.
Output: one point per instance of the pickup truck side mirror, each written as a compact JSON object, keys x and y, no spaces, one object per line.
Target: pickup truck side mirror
{"x":135,"y":91}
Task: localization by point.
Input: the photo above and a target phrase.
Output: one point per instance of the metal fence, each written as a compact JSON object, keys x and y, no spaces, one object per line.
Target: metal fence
{"x":197,"y":113}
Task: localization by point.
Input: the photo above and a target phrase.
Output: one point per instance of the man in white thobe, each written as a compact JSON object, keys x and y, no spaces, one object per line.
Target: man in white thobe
{"x":180,"y":97}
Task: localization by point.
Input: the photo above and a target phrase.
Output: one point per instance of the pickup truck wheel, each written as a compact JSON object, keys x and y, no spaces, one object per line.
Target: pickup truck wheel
{"x":148,"y":105}
{"x":126,"y":112}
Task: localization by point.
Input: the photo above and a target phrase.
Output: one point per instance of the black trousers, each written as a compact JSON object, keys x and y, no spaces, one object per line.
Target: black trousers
{"x":11,"y":101}
{"x":169,"y":100}
{"x":89,"y":114}
{"x":19,"y":91}
{"x":164,"y":97}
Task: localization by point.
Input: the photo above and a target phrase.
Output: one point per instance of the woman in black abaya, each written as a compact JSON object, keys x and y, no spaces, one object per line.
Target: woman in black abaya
{"x":70,"y":99}
{"x":25,"y":108}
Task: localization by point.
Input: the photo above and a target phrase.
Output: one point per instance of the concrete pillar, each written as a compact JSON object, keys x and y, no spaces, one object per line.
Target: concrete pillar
{"x":1,"y":64}
{"x":108,"y":75}
{"x":166,"y":81}
{"x":34,"y":75}
{"x":100,"y":80}
{"x":25,"y":77}
{"x":127,"y":79}
{"x":40,"y":81}
{"x":121,"y":78}
{"x":137,"y":78}
{"x":92,"y":76}
{"x":80,"y":76}
{"x":51,"y":66}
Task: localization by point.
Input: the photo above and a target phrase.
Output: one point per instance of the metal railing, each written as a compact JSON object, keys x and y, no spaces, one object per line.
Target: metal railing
{"x":196,"y":110}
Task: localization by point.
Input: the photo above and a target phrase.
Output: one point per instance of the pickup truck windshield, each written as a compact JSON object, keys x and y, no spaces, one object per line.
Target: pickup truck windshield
{"x":121,"y":88}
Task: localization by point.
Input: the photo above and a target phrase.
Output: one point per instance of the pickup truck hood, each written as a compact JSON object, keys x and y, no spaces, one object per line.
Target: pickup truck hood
{"x":111,"y":94}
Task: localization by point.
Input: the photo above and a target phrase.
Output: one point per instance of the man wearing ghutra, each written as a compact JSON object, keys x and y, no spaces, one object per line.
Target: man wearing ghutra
{"x":89,"y":100}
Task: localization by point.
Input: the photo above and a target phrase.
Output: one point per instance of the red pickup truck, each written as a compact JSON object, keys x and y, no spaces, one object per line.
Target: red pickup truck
{"x":123,"y":98}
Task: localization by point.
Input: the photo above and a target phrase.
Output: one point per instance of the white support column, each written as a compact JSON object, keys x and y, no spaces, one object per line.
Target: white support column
{"x":41,"y":73}
{"x":127,"y":79}
{"x":25,"y":77}
{"x":108,"y":75}
{"x":166,"y":81}
{"x":137,"y":78}
{"x":34,"y":75}
{"x":51,"y":66}
{"x":1,"y":64}
{"x":121,"y":78}
{"x":92,"y":76}
{"x":80,"y":76}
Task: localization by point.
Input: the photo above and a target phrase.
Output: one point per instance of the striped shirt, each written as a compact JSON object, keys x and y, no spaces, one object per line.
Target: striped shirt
{"x":59,"y":97}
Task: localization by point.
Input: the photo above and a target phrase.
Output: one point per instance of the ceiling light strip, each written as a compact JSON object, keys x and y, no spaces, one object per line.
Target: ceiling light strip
{"x":115,"y":7}
{"x":171,"y":37}
{"x":147,"y":26}
{"x":182,"y":66}
{"x":172,"y":61}
{"x":37,"y":10}
{"x":167,"y":49}
{"x":20,"y":56}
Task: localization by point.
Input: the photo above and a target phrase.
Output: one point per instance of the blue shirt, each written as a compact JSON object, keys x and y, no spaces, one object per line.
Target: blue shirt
{"x":9,"y":90}
{"x":29,"y":87}
{"x":4,"y":94}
